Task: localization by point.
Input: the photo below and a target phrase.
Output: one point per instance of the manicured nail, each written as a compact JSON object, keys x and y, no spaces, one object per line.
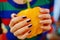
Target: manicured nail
{"x":24,"y":17}
{"x":28,"y":20}
{"x":29,"y":32}
{"x":13,"y":15}
{"x":30,"y":25}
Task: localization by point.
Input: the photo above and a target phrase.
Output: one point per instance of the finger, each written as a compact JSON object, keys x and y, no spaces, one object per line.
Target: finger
{"x":16,"y":20}
{"x":49,"y":21}
{"x":20,"y":25}
{"x":24,"y":36}
{"x":22,"y":30}
{"x":13,"y":15}
{"x":46,"y":27}
{"x":42,"y":16}
{"x":44,"y":11}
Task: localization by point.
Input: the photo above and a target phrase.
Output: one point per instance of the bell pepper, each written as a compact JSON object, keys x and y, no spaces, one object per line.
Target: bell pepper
{"x":32,"y":13}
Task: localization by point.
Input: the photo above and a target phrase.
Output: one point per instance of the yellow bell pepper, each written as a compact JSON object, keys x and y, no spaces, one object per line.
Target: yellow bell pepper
{"x":32,"y":13}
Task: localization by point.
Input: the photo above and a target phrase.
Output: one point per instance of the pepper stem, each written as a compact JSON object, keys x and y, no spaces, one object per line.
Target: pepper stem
{"x":28,"y":4}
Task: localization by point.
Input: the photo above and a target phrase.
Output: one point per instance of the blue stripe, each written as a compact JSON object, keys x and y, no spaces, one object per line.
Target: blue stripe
{"x":52,"y":3}
{"x":19,"y":5}
{"x":48,"y":5}
{"x":45,"y":6}
{"x":7,"y":14}
{"x":10,"y":36}
{"x":39,"y":37}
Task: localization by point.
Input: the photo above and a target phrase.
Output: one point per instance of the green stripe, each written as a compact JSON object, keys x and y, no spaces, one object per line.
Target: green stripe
{"x":41,"y":2}
{"x":7,"y":6}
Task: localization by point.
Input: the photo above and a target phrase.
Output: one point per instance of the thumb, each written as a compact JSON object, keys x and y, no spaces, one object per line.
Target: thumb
{"x":13,"y":15}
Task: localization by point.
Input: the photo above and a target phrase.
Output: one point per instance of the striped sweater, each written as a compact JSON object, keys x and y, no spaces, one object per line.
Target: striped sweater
{"x":7,"y":7}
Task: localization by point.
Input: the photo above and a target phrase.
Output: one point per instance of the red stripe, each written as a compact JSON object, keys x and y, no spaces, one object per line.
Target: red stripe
{"x":3,"y":37}
{"x":52,"y":19}
{"x":6,"y":21}
{"x":51,"y":9}
{"x":3,"y":0}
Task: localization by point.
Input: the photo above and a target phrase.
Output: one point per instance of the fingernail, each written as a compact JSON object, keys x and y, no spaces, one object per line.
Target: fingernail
{"x":29,"y":32}
{"x":28,"y":20}
{"x":13,"y":15}
{"x":30,"y":25}
{"x":24,"y":17}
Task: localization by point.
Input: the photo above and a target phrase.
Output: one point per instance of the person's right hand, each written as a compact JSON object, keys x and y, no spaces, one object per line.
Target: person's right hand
{"x":20,"y":26}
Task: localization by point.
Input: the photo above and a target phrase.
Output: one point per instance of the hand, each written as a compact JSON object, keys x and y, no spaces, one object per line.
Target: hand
{"x":45,"y":19}
{"x":20,"y":26}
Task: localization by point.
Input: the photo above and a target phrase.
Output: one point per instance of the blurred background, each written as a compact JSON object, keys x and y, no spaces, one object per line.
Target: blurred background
{"x":55,"y":34}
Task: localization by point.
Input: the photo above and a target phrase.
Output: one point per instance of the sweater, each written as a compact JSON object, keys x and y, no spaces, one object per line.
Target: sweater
{"x":7,"y":7}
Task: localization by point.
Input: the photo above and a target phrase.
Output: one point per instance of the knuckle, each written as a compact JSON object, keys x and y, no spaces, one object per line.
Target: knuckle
{"x":12,"y":21}
{"x":50,"y":21}
{"x":47,"y":10}
{"x":9,"y":25}
{"x":49,"y":27}
{"x":11,"y":31}
{"x":49,"y":15}
{"x":26,"y":27}
{"x":15,"y":34}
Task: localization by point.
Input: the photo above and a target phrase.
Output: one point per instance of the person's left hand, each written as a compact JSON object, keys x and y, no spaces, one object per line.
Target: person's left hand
{"x":45,"y":19}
